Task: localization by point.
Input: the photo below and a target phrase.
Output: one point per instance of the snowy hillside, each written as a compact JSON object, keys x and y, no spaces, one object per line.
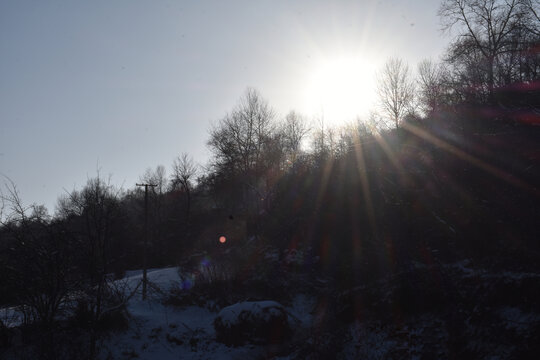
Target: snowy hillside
{"x":159,"y":331}
{"x":478,"y":312}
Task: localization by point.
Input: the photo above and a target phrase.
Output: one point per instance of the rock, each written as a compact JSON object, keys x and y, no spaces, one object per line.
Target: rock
{"x":259,"y":322}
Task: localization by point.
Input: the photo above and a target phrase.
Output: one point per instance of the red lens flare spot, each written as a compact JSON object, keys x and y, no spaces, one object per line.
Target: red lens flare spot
{"x":222,"y":239}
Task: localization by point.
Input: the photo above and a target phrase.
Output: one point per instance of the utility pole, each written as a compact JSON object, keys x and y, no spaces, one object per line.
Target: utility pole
{"x":145,"y":250}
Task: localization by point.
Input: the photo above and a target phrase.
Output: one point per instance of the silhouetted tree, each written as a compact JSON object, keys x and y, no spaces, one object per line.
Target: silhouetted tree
{"x":430,"y":86}
{"x":95,"y":212}
{"x":184,"y":171}
{"x":395,"y":89}
{"x":240,"y":144}
{"x":39,"y":268}
{"x":490,"y":49}
{"x":294,"y":129}
{"x":324,"y":141}
{"x":157,"y":177}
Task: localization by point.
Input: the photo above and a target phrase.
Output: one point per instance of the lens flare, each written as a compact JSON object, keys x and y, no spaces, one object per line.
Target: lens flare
{"x":222,"y":239}
{"x":205,"y":262}
{"x":188,"y":282}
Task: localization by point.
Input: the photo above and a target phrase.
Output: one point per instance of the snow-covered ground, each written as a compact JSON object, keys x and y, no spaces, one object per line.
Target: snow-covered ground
{"x":159,"y":331}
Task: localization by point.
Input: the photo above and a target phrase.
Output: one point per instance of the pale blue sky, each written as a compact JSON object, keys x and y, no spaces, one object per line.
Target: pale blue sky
{"x":124,"y":85}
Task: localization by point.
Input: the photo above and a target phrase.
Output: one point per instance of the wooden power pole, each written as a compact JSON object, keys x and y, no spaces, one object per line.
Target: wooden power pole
{"x":145,"y":250}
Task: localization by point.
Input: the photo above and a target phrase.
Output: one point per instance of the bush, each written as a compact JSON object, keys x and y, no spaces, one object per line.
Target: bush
{"x":248,"y":272}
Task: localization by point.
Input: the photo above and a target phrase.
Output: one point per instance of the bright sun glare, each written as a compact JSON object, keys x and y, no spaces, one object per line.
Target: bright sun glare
{"x":341,"y":89}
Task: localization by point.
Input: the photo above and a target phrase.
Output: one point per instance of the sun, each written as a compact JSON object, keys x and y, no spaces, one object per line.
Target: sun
{"x":341,"y":89}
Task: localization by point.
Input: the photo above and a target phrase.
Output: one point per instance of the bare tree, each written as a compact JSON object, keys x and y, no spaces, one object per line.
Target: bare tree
{"x":533,"y":7}
{"x":488,"y":32}
{"x":430,"y":86}
{"x":184,"y":171}
{"x":38,"y":271}
{"x":353,"y":133}
{"x":157,"y":177}
{"x":96,"y":207}
{"x":321,"y":138}
{"x":294,"y":130}
{"x":238,"y":139}
{"x":240,"y":143}
{"x":395,"y":89}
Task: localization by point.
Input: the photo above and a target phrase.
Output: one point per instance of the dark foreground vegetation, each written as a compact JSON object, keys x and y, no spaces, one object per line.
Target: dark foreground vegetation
{"x":423,"y":237}
{"x":427,"y":220}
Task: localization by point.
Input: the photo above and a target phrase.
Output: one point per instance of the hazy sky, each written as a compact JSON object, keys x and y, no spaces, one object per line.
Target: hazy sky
{"x":123,"y":85}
